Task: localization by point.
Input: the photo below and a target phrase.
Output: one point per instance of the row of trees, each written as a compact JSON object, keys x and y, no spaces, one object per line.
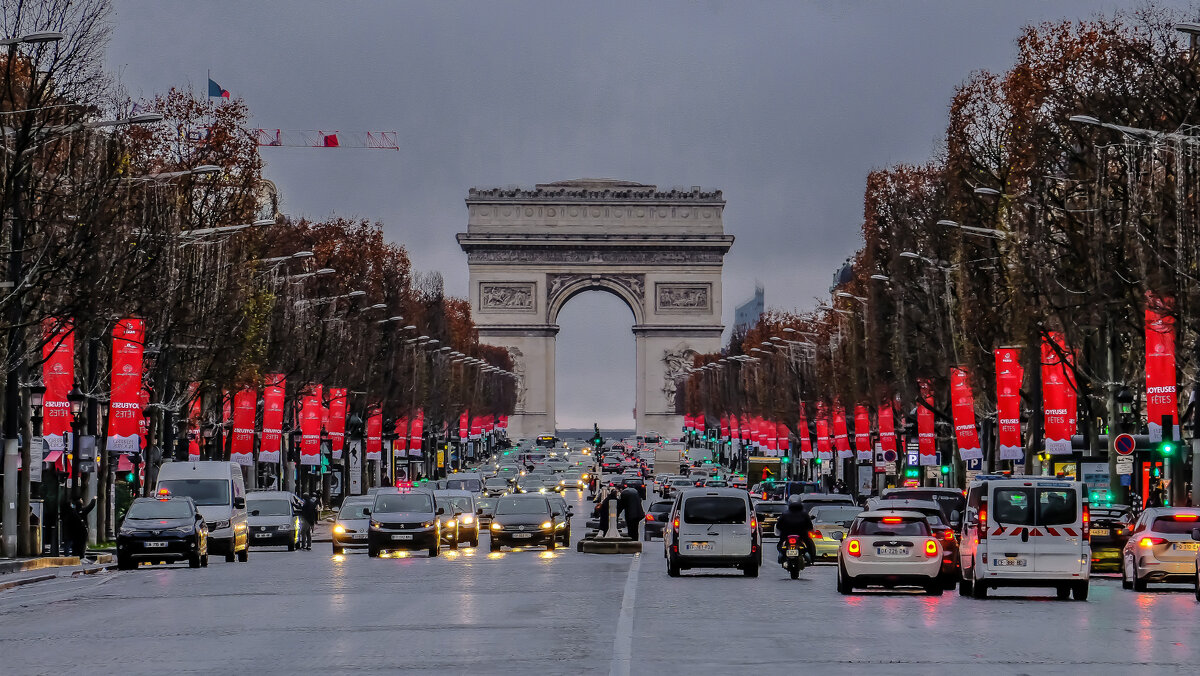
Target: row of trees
{"x":1034,"y":220}
{"x":158,"y":209}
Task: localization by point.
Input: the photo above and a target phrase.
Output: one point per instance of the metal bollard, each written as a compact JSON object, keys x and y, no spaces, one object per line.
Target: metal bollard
{"x":612,"y":531}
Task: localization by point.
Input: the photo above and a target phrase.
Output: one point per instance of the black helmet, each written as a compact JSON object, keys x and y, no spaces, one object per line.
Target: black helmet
{"x":795,"y":502}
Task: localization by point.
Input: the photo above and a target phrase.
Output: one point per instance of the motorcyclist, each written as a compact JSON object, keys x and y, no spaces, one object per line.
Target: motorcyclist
{"x":795,"y":521}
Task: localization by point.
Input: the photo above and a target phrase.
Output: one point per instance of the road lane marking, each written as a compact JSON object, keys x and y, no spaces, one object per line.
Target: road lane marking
{"x":623,"y":642}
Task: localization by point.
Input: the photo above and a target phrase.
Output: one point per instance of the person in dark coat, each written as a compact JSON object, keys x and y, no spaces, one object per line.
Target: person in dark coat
{"x":602,"y":509}
{"x":75,"y":525}
{"x":309,"y":513}
{"x":631,"y":507}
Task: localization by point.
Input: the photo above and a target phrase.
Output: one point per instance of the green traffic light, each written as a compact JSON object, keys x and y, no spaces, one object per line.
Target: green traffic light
{"x":129,"y":477}
{"x":945,"y":469}
{"x":785,"y":460}
{"x":818,"y":461}
{"x":1166,"y":448}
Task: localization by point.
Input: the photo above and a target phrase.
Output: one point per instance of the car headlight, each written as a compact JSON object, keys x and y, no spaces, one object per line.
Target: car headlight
{"x":450,"y":523}
{"x":339,"y":529}
{"x":427,"y":524}
{"x":496,"y":526}
{"x":221,"y":524}
{"x":375,"y":524}
{"x":547,"y":525}
{"x":179,"y":531}
{"x":560,"y":526}
{"x":468,"y":520}
{"x":542,"y":489}
{"x":126,"y":531}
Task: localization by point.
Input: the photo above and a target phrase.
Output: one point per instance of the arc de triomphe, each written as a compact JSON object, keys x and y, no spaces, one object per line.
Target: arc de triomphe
{"x":530,"y":251}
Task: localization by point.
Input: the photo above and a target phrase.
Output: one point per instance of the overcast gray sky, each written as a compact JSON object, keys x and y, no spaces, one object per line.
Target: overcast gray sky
{"x":783,"y":105}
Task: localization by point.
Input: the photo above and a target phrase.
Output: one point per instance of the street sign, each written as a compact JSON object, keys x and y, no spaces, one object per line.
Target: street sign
{"x":1124,"y":465}
{"x":889,"y":456}
{"x":1124,"y":444}
{"x":354,"y":448}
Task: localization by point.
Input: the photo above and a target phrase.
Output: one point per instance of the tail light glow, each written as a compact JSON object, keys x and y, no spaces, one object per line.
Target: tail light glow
{"x":753,"y":524}
{"x":1186,"y":517}
{"x":931,"y":548}
{"x":853,"y":547}
{"x":983,"y":525}
{"x":814,"y":534}
{"x":892,"y":519}
{"x":1150,"y":542}
{"x":649,"y":517}
{"x":793,"y":540}
{"x":948,"y":535}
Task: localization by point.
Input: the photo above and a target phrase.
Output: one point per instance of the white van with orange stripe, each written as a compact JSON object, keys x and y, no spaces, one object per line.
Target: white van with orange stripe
{"x":1025,"y":531}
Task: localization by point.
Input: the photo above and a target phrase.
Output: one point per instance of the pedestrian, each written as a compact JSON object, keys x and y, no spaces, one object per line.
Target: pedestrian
{"x":602,"y":509}
{"x":309,"y":513}
{"x":631,"y":507}
{"x":1155,"y":498}
{"x":76,"y":527}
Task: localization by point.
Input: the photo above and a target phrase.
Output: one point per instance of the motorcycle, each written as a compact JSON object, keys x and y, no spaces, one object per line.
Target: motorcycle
{"x":794,"y":559}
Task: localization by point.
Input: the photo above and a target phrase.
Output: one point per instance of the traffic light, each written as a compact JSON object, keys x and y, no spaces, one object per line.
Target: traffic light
{"x":1166,"y":447}
{"x":945,"y":469}
{"x":129,"y":476}
{"x":785,"y":460}
{"x":818,"y":461}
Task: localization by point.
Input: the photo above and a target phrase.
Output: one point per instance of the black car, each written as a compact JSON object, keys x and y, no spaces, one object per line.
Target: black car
{"x":1110,"y":528}
{"x":767,"y":512}
{"x":656,"y":519}
{"x":404,"y":521}
{"x":636,"y":483}
{"x":162,"y":529}
{"x":520,"y":521}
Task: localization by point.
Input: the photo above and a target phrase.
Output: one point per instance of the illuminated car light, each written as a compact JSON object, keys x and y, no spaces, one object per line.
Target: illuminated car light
{"x":468,"y":520}
{"x":339,"y":529}
{"x":931,"y":548}
{"x":1150,"y":542}
{"x":547,"y":525}
{"x":853,"y":548}
{"x":496,"y":526}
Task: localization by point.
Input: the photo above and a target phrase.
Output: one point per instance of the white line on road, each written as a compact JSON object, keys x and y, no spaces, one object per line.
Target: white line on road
{"x":623,"y":643}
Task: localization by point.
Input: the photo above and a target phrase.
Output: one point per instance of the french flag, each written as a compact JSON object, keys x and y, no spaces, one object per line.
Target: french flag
{"x":215,"y":91}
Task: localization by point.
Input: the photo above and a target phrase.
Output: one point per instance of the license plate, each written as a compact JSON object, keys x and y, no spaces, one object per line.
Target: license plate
{"x":1186,"y":546}
{"x":793,"y":552}
{"x":1099,"y":531}
{"x":358,"y":536}
{"x":402,"y":536}
{"x":891,"y":551}
{"x":522,"y":535}
{"x":262,"y":535}
{"x":700,"y":546}
{"x":154,"y":544}
{"x":1010,"y":563}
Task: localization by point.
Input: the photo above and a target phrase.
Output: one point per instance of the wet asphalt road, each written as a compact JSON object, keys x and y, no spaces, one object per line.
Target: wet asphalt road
{"x":563,"y":612}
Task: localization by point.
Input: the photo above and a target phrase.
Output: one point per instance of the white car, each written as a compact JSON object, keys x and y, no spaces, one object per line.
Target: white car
{"x":713,"y":528}
{"x":890,"y":548}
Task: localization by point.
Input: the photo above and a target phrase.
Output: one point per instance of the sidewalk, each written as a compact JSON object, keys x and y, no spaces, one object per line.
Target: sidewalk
{"x":17,"y":572}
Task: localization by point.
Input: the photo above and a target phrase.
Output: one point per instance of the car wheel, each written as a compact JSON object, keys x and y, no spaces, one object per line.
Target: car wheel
{"x":751,"y":569}
{"x":1080,"y":591}
{"x":494,"y":546}
{"x":964,"y":587}
{"x":204,"y":561}
{"x":229,"y":557}
{"x":1063,"y":592}
{"x":435,"y":550}
{"x":125,"y":563}
{"x":336,"y":549}
{"x":1126,"y":580}
{"x":935,"y":588}
{"x":979,"y":590}
{"x":194,"y":561}
{"x":845,"y":585}
{"x":372,"y":552}
{"x":244,"y":555}
{"x":672,"y":566}
{"x":475,"y":541}
{"x":1138,"y":583}
{"x":291,"y":546}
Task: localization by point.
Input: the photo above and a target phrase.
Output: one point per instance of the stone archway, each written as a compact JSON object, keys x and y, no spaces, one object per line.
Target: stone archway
{"x":529,"y":251}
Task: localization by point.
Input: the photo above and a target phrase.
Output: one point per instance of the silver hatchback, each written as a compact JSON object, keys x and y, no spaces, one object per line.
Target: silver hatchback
{"x":1161,"y":548}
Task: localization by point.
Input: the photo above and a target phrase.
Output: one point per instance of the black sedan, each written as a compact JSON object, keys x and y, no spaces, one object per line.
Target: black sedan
{"x":636,"y":483}
{"x":521,"y":521}
{"x":162,"y":529}
{"x":656,"y":519}
{"x":1110,"y":529}
{"x":404,"y":521}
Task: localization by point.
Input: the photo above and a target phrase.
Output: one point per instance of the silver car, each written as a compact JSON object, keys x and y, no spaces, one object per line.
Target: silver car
{"x":1161,"y":548}
{"x":352,"y":524}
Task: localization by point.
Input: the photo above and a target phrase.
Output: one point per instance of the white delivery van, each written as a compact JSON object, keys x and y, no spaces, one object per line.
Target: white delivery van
{"x":1025,"y":531}
{"x":219,"y":492}
{"x":713,"y":528}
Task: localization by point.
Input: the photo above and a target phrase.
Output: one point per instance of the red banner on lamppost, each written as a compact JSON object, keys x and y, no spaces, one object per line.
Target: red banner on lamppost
{"x":1009,"y":376}
{"x":824,"y":448}
{"x":1058,"y":394}
{"x":464,"y":425}
{"x":806,"y":450}
{"x":926,"y":435}
{"x":1161,"y":397}
{"x":194,"y":413}
{"x":58,"y":375}
{"x":374,"y":443}
{"x":336,"y":425}
{"x":125,"y":407}
{"x":887,"y":425}
{"x":862,"y":433}
{"x":245,"y":407}
{"x":724,"y":427}
{"x":400,"y":445}
{"x":841,"y":435}
{"x":963,"y":410}
{"x":272,"y":418}
{"x":416,"y":433}
{"x":311,"y":412}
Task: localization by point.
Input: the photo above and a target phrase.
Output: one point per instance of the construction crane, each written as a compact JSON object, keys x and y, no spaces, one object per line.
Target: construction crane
{"x":312,"y":138}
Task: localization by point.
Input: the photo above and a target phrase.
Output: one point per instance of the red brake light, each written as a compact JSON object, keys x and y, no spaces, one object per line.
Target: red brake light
{"x":675,"y":523}
{"x":793,"y":540}
{"x":948,"y":535}
{"x":649,"y":517}
{"x":853,"y":548}
{"x":814,"y":534}
{"x":753,"y":524}
{"x":931,"y":548}
{"x":983,"y":526}
{"x":1150,"y":542}
{"x":1186,"y":517}
{"x":892,"y":519}
{"x":1087,"y":523}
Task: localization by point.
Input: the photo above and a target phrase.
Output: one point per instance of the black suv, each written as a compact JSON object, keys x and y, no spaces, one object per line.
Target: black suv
{"x":162,"y":529}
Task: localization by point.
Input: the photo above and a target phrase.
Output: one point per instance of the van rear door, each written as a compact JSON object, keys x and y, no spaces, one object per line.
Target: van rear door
{"x":1011,"y":521}
{"x":715,"y":525}
{"x":1059,"y":530}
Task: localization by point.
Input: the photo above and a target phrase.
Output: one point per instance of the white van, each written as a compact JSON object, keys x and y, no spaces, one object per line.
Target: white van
{"x":713,"y":528}
{"x":219,"y":492}
{"x":1026,"y":531}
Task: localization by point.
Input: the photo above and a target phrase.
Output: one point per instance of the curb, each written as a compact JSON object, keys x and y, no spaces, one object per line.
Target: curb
{"x":27,"y":580}
{"x":43,"y":562}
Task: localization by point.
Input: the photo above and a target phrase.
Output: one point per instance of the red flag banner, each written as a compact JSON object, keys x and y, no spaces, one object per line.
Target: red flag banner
{"x":806,"y":450}
{"x":769,"y":438}
{"x":887,"y":425}
{"x":1161,"y":396}
{"x":1058,"y":395}
{"x":464,"y":424}
{"x":841,"y":435}
{"x":58,"y":375}
{"x":926,"y":435}
{"x":862,"y":433}
{"x":336,"y":427}
{"x":272,"y":418}
{"x":824,"y":448}
{"x":476,"y":428}
{"x":724,"y":427}
{"x":375,"y":435}
{"x":781,"y":439}
{"x":245,"y":407}
{"x":416,"y":434}
{"x":310,"y":427}
{"x":698,"y":421}
{"x":125,"y":408}
{"x":400,"y":445}
{"x":1009,"y":376}
{"x":194,"y":412}
{"x":963,"y":411}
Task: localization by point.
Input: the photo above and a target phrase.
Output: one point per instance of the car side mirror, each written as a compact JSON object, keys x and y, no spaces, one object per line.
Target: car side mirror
{"x":839,"y":536}
{"x":1196,"y":533}
{"x":441,"y":511}
{"x":254,"y":512}
{"x":367,"y":511}
{"x":239,"y":503}
{"x":479,"y":510}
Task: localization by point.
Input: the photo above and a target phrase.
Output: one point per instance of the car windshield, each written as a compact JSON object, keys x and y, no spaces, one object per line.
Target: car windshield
{"x":890,"y":525}
{"x":464,"y":484}
{"x":354,"y":510}
{"x":948,"y":502}
{"x":201,"y":491}
{"x":454,"y":504}
{"x":1111,"y":514}
{"x":834,"y":513}
{"x":1016,"y":506}
{"x":770,"y":508}
{"x":521,"y":506}
{"x":714,"y":509}
{"x":496,"y":483}
{"x":159,"y":509}
{"x":487,"y":504}
{"x":269,"y":507}
{"x":1173,"y":524}
{"x":403,"y":502}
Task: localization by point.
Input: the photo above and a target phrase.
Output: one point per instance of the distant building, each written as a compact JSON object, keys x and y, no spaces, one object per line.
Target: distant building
{"x":746,"y":315}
